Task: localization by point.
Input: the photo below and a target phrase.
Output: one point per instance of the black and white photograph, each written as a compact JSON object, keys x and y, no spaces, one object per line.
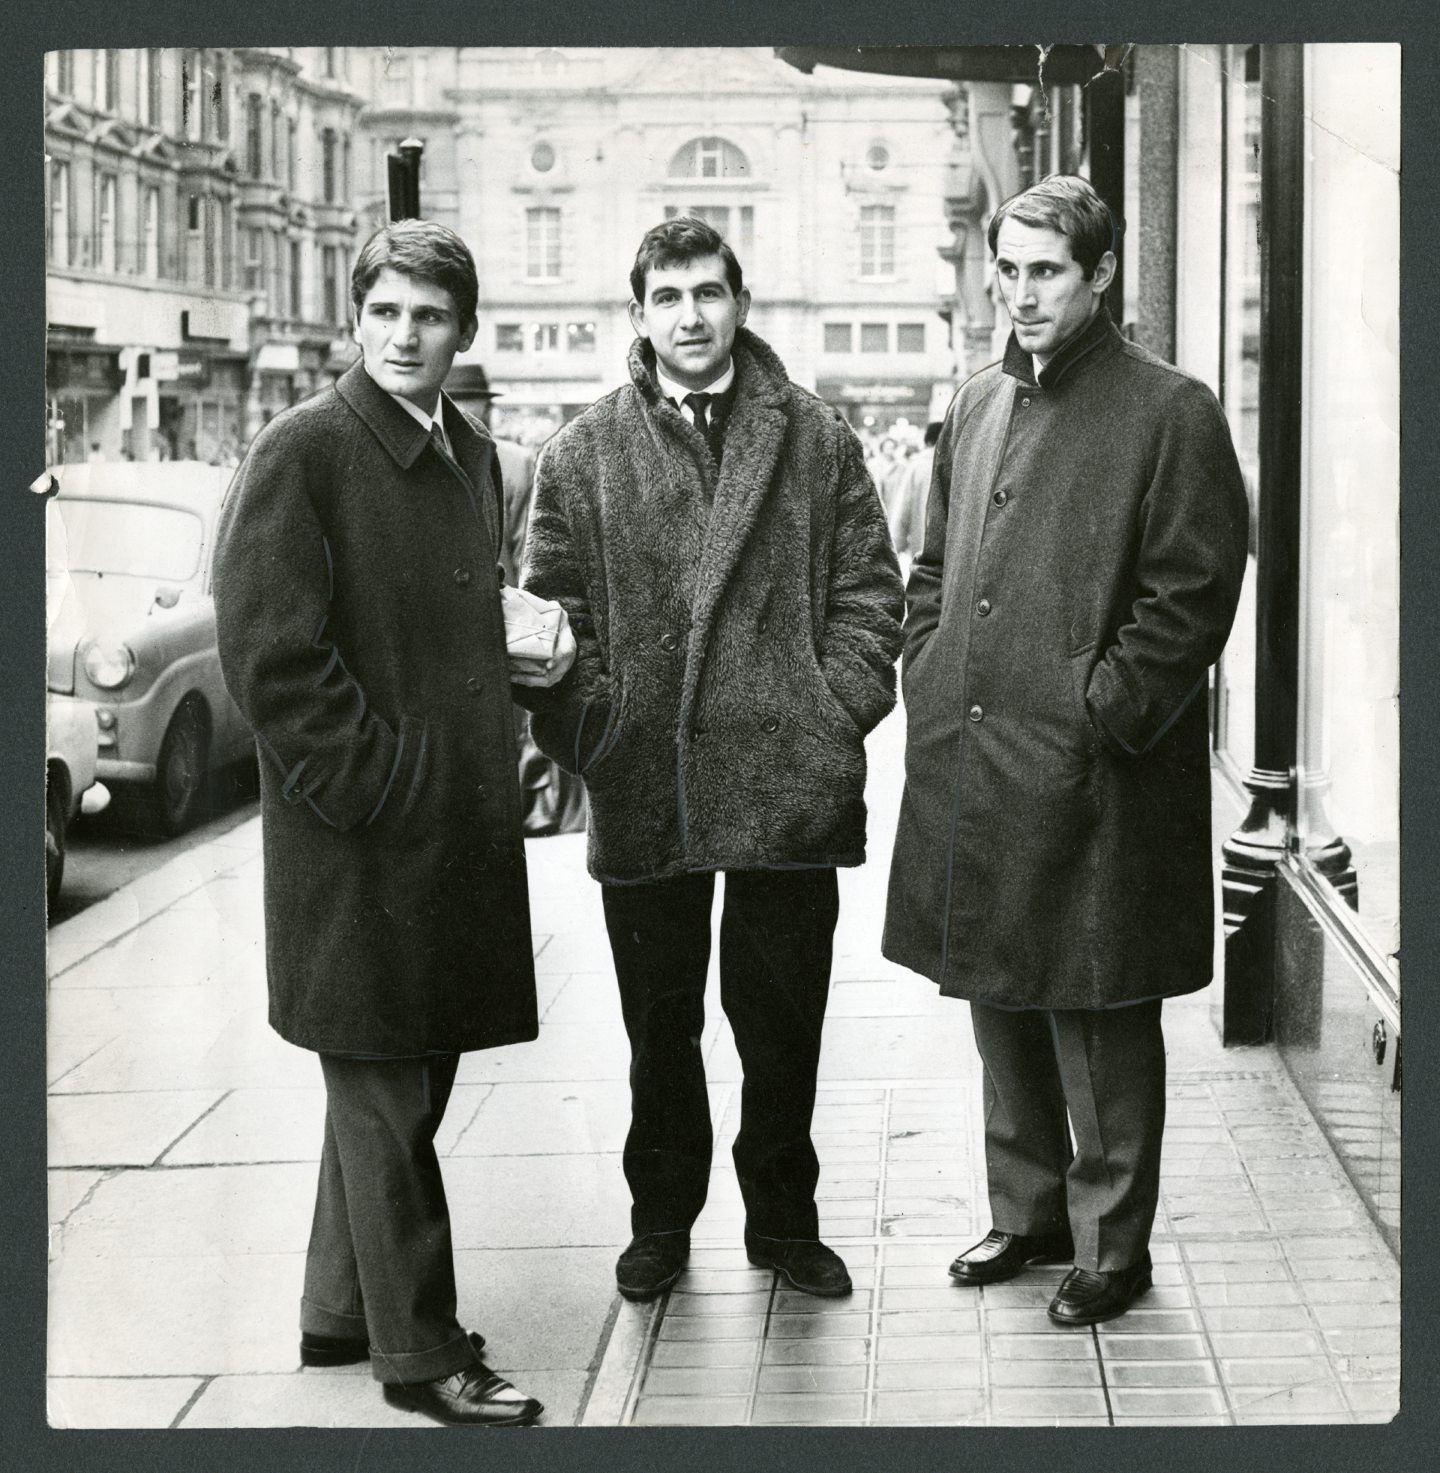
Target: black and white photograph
{"x":722,"y":735}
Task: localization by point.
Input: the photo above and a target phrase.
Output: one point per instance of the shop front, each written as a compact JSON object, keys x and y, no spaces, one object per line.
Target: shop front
{"x":83,"y":382}
{"x":876,"y":407}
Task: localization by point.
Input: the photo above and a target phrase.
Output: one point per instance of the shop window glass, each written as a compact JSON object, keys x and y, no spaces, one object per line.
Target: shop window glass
{"x":509,"y":337}
{"x":580,"y":337}
{"x":1240,"y":375}
{"x":1350,"y":567}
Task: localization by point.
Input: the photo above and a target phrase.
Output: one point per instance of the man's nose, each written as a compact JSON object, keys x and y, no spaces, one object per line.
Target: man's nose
{"x":405,"y":328}
{"x":690,"y":308}
{"x":1025,"y":289}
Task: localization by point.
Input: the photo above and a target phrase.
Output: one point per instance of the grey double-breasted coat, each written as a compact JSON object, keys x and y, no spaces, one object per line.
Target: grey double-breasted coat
{"x":356,"y":590}
{"x":1084,"y":548}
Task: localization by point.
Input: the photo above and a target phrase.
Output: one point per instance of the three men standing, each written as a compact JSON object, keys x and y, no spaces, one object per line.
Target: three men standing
{"x":1082,"y":560}
{"x":725,"y":564}
{"x":360,"y":632}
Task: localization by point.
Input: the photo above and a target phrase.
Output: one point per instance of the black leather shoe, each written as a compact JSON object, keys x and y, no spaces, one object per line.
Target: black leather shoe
{"x":1086,"y":1297}
{"x":651,"y":1264}
{"x":342,"y":1350}
{"x":473,"y":1397}
{"x":999,"y":1256}
{"x":804,"y":1263}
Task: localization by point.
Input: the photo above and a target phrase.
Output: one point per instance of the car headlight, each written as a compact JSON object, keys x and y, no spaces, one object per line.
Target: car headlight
{"x":109,"y":664}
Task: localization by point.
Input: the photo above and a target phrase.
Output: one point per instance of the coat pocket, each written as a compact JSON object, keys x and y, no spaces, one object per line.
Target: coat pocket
{"x":1080,"y":667}
{"x":602,"y":745}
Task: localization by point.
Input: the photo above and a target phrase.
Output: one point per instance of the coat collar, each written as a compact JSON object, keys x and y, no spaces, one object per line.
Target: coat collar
{"x":1100,"y":332}
{"x":403,"y":436}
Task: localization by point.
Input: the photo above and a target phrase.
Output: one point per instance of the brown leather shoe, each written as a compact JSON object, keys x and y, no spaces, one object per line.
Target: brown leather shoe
{"x":1086,"y":1297}
{"x":999,"y":1256}
{"x":343,"y":1350}
{"x":472,"y":1397}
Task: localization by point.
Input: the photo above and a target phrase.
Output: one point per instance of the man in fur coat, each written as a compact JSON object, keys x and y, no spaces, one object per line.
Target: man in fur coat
{"x":722,"y":554}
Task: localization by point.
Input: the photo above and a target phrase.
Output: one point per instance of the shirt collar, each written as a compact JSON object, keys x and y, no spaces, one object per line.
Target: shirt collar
{"x":420,"y":417}
{"x":1020,"y":364}
{"x":671,"y":390}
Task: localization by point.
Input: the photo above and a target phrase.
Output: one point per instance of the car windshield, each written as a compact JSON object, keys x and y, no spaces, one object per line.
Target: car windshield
{"x":132,"y":538}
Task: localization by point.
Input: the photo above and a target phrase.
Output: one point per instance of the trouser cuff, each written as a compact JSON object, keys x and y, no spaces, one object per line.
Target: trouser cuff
{"x":414,"y":1366}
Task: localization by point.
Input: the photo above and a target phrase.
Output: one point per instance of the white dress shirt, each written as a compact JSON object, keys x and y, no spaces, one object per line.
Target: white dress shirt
{"x":677,"y":392}
{"x":428,"y":420}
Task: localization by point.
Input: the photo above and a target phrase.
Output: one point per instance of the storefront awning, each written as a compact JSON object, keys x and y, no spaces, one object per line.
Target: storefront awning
{"x":1063,"y":65}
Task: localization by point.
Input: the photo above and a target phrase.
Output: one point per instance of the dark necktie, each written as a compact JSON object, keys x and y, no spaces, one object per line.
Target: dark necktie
{"x":699,"y":407}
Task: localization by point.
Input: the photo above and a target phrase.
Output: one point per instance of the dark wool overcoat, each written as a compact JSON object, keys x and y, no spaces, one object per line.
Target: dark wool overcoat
{"x":356,"y":594}
{"x":737,"y":632}
{"x":1084,"y":547}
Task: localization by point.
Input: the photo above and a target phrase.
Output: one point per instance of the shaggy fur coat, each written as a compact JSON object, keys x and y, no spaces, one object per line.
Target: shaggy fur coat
{"x":737,"y":626}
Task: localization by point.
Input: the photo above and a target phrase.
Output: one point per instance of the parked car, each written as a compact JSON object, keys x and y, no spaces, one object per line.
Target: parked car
{"x":132,"y":626}
{"x":71,"y":741}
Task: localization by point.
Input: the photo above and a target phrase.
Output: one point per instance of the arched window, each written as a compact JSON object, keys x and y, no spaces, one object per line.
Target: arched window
{"x":709,"y":158}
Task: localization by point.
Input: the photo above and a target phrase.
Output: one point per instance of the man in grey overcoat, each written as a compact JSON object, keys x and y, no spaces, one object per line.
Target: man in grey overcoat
{"x":722,"y":554}
{"x":358,"y":606}
{"x":1083,"y":553}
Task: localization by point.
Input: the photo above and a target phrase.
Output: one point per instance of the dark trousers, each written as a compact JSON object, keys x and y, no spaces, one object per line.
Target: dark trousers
{"x":1099,"y":1073}
{"x":379,"y":1263}
{"x":776,"y":934}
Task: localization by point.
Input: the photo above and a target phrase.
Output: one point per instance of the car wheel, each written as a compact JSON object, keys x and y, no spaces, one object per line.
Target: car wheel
{"x":181,"y":785}
{"x":54,"y":840}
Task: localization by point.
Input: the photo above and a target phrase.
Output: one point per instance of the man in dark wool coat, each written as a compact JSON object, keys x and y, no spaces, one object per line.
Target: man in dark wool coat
{"x":358,"y":604}
{"x":1083,"y":552}
{"x":723,"y":557}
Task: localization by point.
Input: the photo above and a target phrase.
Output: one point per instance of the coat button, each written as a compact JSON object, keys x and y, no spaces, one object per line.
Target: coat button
{"x":696,"y":733}
{"x":482,"y":792}
{"x":474,"y":685}
{"x":977,"y":713}
{"x":462,"y":576}
{"x":1000,"y":498}
{"x":983,"y":607}
{"x":770,"y":723}
{"x":669,"y":642}
{"x":763,"y":625}
{"x":1024,"y":404}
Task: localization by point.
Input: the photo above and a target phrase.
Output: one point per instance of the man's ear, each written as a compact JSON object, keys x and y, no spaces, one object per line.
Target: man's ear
{"x":467,"y":335}
{"x":1104,"y":273}
{"x":744,"y":301}
{"x":637,"y":318}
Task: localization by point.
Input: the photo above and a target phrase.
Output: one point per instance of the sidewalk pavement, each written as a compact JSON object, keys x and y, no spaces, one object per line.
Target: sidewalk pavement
{"x":184,"y":1138}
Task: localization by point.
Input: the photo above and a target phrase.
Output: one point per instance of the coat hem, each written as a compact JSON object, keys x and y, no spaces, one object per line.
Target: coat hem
{"x":849,"y":860}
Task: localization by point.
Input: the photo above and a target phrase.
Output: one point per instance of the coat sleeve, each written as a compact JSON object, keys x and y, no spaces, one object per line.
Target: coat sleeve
{"x":273,"y":577}
{"x":568,"y":719}
{"x":866,"y":600}
{"x":1194,"y":523}
{"x":927,"y":570}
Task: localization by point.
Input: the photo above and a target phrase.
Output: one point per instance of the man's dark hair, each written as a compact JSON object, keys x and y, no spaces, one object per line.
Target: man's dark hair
{"x":932,"y":431}
{"x":424,"y":250}
{"x":677,"y":242}
{"x":1068,"y":205}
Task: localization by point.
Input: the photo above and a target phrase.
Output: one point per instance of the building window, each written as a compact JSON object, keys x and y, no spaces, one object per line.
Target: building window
{"x":107,"y":224}
{"x":542,"y":244}
{"x":545,"y":337}
{"x":292,"y":132}
{"x":874,"y":337}
{"x":151,"y":94}
{"x":329,"y":259}
{"x":345,"y":169}
{"x":254,"y":262}
{"x":910,"y":337}
{"x":395,"y":80}
{"x":327,"y":166}
{"x":735,"y":224}
{"x":295,"y":281}
{"x":254,"y":155}
{"x":152,"y":232}
{"x":60,"y":212}
{"x":580,"y":337}
{"x":190,"y":96}
{"x":277,"y":135}
{"x":220,"y":98}
{"x":877,"y":240}
{"x":509,"y":337}
{"x":877,"y":157}
{"x":328,"y":52}
{"x":839,"y":337}
{"x":65,"y":73}
{"x":709,"y":158}
{"x":107,"y":81}
{"x":542,"y":158}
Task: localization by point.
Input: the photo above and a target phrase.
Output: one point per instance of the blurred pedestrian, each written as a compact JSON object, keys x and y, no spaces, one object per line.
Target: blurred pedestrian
{"x":712,"y":532}
{"x":1083,"y":554}
{"x":360,"y":632}
{"x":907,"y":510}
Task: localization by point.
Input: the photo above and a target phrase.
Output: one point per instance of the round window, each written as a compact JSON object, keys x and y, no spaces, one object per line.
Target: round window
{"x":542,"y":158}
{"x":878,"y":157}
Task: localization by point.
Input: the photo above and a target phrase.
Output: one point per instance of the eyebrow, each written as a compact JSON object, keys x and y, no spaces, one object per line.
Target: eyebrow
{"x":699,"y":286}
{"x":1052,"y":262}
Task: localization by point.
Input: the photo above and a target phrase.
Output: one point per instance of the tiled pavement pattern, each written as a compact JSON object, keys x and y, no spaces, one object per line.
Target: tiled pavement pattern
{"x":184,"y":1136}
{"x":1275,"y":1299}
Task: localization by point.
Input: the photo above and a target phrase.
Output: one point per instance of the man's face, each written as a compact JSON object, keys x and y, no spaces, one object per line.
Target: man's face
{"x":1044,"y":287}
{"x":409,"y":331}
{"x":690,"y":317}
